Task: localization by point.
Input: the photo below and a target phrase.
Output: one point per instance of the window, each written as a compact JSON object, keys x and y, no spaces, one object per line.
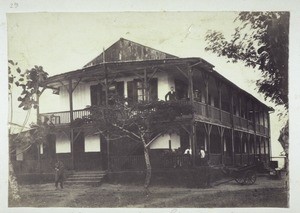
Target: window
{"x":98,"y":95}
{"x":140,"y":91}
{"x":92,"y":143}
{"x":136,"y":90}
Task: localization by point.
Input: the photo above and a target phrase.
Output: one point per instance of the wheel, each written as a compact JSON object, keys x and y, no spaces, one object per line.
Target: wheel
{"x":240,"y":179}
{"x":250,"y":177}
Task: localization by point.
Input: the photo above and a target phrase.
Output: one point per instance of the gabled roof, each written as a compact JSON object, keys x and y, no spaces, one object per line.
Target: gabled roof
{"x":127,"y":56}
{"x":126,"y":50}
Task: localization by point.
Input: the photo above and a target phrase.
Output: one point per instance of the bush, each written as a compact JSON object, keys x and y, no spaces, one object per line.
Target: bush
{"x":191,"y":178}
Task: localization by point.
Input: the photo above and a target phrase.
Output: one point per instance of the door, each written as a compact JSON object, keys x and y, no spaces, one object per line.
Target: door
{"x":181,"y":89}
{"x":78,"y":150}
{"x":86,"y":157}
{"x":96,"y":94}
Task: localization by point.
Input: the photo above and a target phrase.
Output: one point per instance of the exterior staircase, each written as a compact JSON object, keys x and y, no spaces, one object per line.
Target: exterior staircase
{"x":94,"y":178}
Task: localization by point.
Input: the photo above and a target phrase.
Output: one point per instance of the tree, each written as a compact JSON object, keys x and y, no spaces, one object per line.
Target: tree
{"x":142,"y":122}
{"x":261,"y":40}
{"x":29,"y":81}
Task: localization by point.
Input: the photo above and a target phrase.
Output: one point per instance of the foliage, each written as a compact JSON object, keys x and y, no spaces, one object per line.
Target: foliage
{"x":141,"y":122}
{"x":14,"y":188}
{"x":284,"y":138}
{"x":139,"y":119}
{"x":33,"y":137}
{"x":29,"y":81}
{"x":261,"y":40}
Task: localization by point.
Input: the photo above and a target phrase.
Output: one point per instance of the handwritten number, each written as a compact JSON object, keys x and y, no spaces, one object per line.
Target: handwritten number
{"x":14,"y":5}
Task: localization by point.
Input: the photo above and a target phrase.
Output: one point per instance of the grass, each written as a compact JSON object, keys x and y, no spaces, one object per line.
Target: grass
{"x":110,"y":195}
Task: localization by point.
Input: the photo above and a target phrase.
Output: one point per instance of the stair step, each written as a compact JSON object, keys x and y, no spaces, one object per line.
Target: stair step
{"x":69,"y":181}
{"x":86,"y":177}
{"x":90,"y":172}
{"x":83,"y":182}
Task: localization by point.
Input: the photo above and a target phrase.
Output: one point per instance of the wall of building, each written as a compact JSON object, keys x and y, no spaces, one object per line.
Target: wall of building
{"x":82,"y":97}
{"x":163,"y":142}
{"x":91,"y":143}
{"x":165,"y":82}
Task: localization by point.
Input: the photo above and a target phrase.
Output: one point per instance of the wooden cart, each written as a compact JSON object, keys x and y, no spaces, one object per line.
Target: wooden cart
{"x":244,"y":175}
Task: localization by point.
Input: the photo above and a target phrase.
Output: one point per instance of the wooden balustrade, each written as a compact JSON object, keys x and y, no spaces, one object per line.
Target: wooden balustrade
{"x":175,"y":160}
{"x":215,"y":159}
{"x":214,"y":113}
{"x":227,"y":159}
{"x":57,"y":117}
{"x":226,"y":118}
{"x":80,"y":113}
{"x":236,"y":120}
{"x":251,"y":158}
{"x":244,"y":123}
{"x":262,"y":129}
{"x":250,"y":125}
{"x":200,"y":108}
{"x":137,"y":162}
{"x":64,"y":116}
{"x":237,"y":159}
{"x":244,"y":158}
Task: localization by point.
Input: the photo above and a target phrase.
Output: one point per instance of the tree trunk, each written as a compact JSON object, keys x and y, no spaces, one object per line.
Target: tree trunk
{"x":148,"y":168}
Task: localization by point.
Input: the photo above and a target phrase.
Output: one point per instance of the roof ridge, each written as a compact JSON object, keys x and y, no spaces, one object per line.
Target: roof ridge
{"x":133,"y":42}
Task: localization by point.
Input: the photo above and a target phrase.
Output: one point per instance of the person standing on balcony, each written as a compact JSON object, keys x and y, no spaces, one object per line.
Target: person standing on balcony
{"x":171,"y":95}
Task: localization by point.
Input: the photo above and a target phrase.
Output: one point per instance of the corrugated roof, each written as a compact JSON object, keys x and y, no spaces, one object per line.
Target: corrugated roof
{"x":126,"y":50}
{"x":125,"y":55}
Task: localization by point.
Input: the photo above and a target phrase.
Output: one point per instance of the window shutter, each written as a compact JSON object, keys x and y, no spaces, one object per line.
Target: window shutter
{"x":96,"y":94}
{"x":131,"y":91}
{"x":120,"y":88}
{"x":153,"y":89}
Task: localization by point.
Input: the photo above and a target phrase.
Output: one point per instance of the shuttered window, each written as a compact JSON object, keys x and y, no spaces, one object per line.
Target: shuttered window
{"x":136,"y":90}
{"x":98,"y":96}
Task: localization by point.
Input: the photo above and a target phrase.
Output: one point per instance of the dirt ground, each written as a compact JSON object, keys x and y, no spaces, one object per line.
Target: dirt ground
{"x":264,"y":193}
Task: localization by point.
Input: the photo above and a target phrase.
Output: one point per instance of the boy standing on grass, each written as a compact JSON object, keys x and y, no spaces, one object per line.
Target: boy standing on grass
{"x":59,"y":174}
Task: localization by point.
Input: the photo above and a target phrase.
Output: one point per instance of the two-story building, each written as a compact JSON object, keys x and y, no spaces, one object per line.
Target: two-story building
{"x":232,"y":125}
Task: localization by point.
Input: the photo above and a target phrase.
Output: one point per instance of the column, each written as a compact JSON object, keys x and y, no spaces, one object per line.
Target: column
{"x":232,"y":122}
{"x":219,"y":88}
{"x":193,"y":143}
{"x":70,"y":91}
{"x":190,"y":85}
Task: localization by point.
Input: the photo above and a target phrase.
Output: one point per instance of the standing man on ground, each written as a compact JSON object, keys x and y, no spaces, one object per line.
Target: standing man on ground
{"x":59,"y":174}
{"x":202,"y":156}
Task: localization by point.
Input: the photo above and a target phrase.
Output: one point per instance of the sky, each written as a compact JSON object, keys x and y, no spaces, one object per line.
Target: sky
{"x":62,"y":42}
